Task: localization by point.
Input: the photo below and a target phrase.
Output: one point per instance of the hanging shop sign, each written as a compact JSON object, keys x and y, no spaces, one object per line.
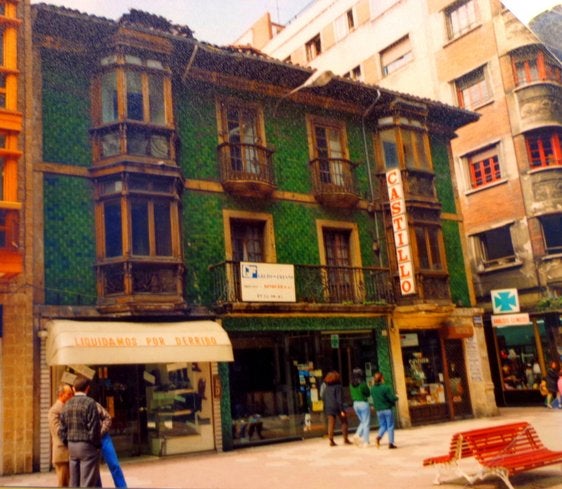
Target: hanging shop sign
{"x":401,"y":233}
{"x":505,"y":301}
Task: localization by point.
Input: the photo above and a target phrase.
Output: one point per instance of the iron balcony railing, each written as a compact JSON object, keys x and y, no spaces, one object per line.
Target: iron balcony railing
{"x":314,"y":284}
{"x":246,"y":163}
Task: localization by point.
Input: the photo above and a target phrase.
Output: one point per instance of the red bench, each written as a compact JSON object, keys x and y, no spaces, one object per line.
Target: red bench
{"x":501,"y":450}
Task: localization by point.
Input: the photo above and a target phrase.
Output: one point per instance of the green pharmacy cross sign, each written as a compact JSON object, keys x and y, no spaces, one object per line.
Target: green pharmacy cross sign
{"x":505,"y":301}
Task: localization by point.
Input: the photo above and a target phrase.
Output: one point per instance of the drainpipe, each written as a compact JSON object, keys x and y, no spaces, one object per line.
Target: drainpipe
{"x":368,"y":161}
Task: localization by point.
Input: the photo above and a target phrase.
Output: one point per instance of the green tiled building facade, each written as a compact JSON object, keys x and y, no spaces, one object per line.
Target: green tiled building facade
{"x":173,"y":173}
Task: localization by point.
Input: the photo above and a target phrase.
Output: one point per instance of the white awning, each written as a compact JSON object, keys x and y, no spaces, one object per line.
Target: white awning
{"x":108,"y":343}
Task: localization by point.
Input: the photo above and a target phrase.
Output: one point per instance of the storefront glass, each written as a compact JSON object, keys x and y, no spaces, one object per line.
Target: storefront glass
{"x":158,"y":409}
{"x":275,"y":381}
{"x":521,"y":355}
{"x":434,"y":392}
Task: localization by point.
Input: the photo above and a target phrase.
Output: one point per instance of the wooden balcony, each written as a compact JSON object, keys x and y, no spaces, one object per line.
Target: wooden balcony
{"x":333,"y":182}
{"x":246,"y":169}
{"x":317,"y":287}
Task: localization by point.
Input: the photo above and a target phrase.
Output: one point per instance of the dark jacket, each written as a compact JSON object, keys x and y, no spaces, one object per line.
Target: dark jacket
{"x":552,"y":380}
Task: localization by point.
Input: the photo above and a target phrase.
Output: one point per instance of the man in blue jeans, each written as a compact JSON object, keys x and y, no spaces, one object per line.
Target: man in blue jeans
{"x":384,"y":399}
{"x":108,"y":449}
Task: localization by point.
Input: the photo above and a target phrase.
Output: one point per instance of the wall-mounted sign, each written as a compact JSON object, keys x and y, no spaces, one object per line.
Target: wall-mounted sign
{"x":503,"y":320}
{"x":267,"y":282}
{"x":505,"y":301}
{"x":401,"y":233}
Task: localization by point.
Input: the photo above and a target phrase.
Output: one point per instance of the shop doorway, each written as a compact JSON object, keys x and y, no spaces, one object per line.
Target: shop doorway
{"x":120,"y":389}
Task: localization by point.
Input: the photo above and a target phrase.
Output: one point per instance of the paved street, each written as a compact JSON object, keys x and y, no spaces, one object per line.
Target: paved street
{"x":313,"y":464}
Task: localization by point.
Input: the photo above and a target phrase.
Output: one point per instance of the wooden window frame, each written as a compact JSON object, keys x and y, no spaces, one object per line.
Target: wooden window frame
{"x":476,"y":81}
{"x":120,"y":68}
{"x":550,"y":234}
{"x":313,"y":47}
{"x":229,"y":215}
{"x":544,"y":148}
{"x":547,"y":69}
{"x":467,"y":19}
{"x":484,"y":167}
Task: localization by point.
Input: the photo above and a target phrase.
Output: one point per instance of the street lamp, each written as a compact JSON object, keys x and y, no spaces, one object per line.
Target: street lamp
{"x":317,"y":79}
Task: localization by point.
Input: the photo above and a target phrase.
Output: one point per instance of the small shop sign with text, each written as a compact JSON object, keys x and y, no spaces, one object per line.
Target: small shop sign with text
{"x":503,"y":320}
{"x":401,"y":234}
{"x":267,"y":282}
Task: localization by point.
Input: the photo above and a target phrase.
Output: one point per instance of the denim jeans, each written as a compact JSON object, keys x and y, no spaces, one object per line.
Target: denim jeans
{"x":110,"y":457}
{"x":363,"y":411}
{"x":386,"y":424}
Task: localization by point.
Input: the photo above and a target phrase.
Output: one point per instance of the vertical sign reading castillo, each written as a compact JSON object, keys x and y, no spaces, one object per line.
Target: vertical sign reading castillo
{"x":400,"y":228}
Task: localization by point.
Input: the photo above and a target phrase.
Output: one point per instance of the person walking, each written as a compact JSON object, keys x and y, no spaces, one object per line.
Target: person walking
{"x":551,"y":383}
{"x":60,"y":451}
{"x":108,"y":449}
{"x":80,"y":429}
{"x":331,"y":393}
{"x":384,"y":399}
{"x":360,"y":395}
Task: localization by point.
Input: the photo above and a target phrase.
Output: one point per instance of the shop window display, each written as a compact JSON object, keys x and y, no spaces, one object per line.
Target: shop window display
{"x":435,"y":391}
{"x":275,"y":381}
{"x":519,"y":355}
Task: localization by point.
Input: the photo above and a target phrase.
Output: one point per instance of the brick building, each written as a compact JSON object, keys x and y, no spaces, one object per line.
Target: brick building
{"x":214,"y":230}
{"x":473,"y":54}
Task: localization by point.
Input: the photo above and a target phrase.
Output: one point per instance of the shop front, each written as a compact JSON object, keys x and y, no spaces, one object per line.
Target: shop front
{"x":436,"y":381}
{"x":440,"y":364}
{"x":521,"y":355}
{"x":159,"y":381}
{"x":276,"y":377}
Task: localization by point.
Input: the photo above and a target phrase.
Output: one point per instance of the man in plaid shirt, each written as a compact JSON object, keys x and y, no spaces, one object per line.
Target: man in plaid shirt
{"x":80,"y":428}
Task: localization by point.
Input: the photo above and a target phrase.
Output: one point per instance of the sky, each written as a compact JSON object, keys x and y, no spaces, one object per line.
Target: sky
{"x":223,"y":21}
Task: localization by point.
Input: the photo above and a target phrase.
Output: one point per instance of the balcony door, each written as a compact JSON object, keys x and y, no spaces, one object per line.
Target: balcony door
{"x":329,"y":151}
{"x":338,"y":259}
{"x":243,"y":136}
{"x":247,"y":241}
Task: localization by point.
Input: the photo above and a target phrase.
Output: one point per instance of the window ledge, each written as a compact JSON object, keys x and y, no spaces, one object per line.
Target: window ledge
{"x":532,"y":171}
{"x":480,"y":105}
{"x":524,"y":85}
{"x":553,"y":256}
{"x":486,"y":187}
{"x":482,"y":269}
{"x":448,"y":42}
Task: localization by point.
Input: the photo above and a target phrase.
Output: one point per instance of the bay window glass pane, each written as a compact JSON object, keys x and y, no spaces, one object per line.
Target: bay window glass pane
{"x":134,"y":96}
{"x":109,"y":97}
{"x":156,"y":99}
{"x":433,"y":236}
{"x":112,"y":223}
{"x":422,"y":248}
{"x":139,"y":224}
{"x":110,"y":144}
{"x":389,"y":148}
{"x":163,"y":229}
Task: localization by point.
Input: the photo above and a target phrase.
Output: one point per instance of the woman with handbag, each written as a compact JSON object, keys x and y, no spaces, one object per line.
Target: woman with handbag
{"x":333,"y":406}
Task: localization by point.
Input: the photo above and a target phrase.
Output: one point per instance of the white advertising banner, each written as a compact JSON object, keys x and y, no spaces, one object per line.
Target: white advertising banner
{"x":267,"y":282}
